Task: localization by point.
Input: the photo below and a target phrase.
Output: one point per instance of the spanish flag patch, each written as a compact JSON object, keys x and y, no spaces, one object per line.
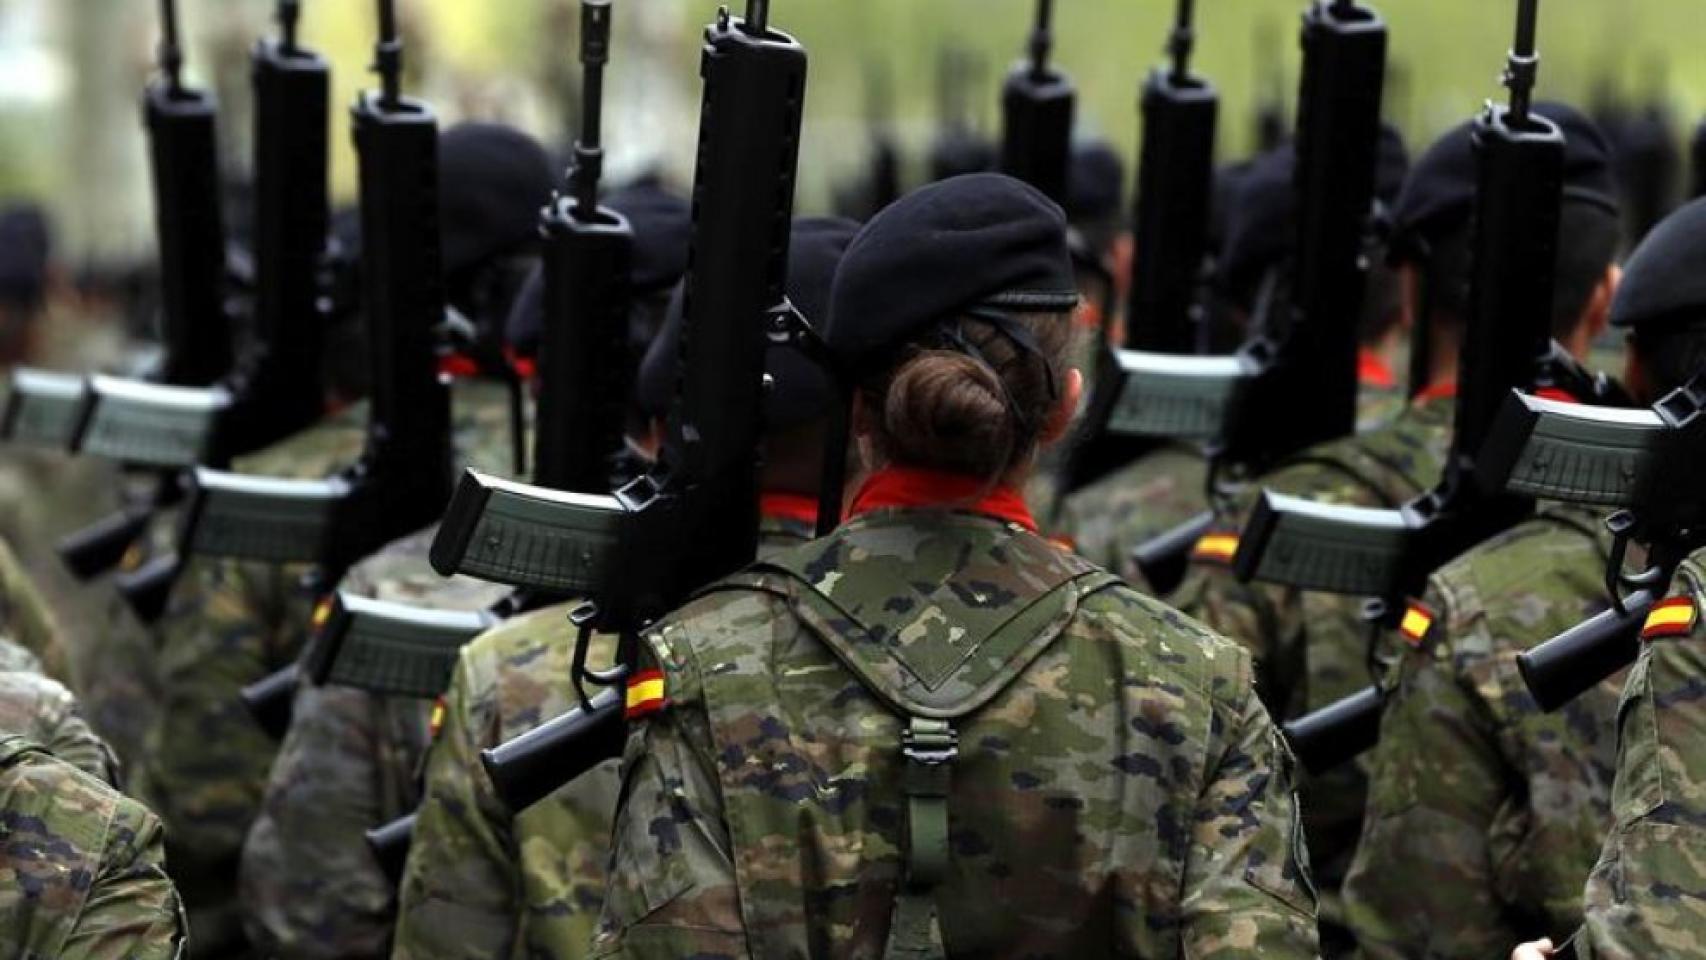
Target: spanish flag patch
{"x":435,"y":722}
{"x":1418,"y":620}
{"x":1216,"y":548}
{"x":1672,"y":618}
{"x":322,"y":612}
{"x":645,"y":694}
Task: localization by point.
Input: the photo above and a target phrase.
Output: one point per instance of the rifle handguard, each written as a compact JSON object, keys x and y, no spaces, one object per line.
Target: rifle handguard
{"x":147,"y":424}
{"x":390,"y":649}
{"x":1177,"y":397}
{"x":1579,"y":659}
{"x":1350,"y":551}
{"x":1164,"y":559}
{"x":529,"y":537}
{"x":390,"y":845}
{"x":1338,"y":733}
{"x":271,"y":700}
{"x":42,"y":408}
{"x":531,"y":767}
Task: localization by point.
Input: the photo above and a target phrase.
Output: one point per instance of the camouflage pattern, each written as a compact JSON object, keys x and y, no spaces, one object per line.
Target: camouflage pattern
{"x":81,"y":871}
{"x":227,"y":624}
{"x":1485,"y":814}
{"x":1644,"y":896}
{"x":44,"y":712}
{"x":1160,"y":490}
{"x":483,"y":882}
{"x":1123,"y":795}
{"x":309,"y":886}
{"x":26,"y":619}
{"x":1312,"y":648}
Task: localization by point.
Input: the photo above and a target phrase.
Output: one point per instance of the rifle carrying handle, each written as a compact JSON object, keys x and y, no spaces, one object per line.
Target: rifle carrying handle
{"x":1574,"y":662}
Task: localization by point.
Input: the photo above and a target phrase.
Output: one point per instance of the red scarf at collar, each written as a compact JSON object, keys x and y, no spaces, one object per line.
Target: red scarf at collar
{"x":1439,"y":391}
{"x":1373,"y":371}
{"x":796,"y":507}
{"x":909,"y":487}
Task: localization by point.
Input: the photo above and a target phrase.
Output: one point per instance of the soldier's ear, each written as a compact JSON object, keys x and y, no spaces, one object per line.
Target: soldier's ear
{"x":1065,"y":409}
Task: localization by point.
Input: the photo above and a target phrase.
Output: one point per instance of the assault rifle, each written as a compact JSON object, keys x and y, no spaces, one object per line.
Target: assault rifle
{"x":1037,"y":107}
{"x":1697,"y":162}
{"x":1175,"y":180}
{"x":1294,"y":383}
{"x":155,"y":425}
{"x":1626,"y":460}
{"x":1389,"y":554}
{"x":404,"y":476}
{"x":641,"y":550}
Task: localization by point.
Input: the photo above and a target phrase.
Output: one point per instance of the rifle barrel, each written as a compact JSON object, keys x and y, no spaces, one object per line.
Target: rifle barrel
{"x":757,"y":17}
{"x":171,"y":53}
{"x":1042,"y":38}
{"x":289,"y":11}
{"x":1524,"y":66}
{"x":388,"y":58}
{"x":1181,"y":41}
{"x":595,"y":53}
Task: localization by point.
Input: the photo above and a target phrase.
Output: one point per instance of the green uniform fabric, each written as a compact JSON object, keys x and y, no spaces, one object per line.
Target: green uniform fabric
{"x":81,"y":872}
{"x":1124,"y":795}
{"x":1312,"y":648}
{"x":1158,"y":491}
{"x":227,"y":624}
{"x":28,"y":621}
{"x":1485,"y":814}
{"x":1647,"y":895}
{"x":309,"y":885}
{"x":44,"y":712}
{"x":483,"y":882}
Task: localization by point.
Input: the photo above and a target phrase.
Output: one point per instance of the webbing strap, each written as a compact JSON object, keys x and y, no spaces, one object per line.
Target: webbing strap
{"x":930,"y":748}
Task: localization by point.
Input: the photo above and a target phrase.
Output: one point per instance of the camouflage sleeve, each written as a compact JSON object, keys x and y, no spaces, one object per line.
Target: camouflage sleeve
{"x":58,"y":725}
{"x":459,"y":898}
{"x":672,"y":890}
{"x":1263,"y":619}
{"x":309,"y":885}
{"x":1422,"y":882}
{"x":26,"y":617}
{"x":1247,"y":890}
{"x":1645,"y":898}
{"x":132,"y":911}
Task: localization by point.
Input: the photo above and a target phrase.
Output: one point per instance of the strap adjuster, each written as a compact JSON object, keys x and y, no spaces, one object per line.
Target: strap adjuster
{"x":930,"y":748}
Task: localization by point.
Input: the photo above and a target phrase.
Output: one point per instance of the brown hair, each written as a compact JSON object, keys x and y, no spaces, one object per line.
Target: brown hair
{"x":939,"y":407}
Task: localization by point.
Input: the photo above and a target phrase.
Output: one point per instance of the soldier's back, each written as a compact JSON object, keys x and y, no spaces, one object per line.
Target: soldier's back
{"x":81,"y":866}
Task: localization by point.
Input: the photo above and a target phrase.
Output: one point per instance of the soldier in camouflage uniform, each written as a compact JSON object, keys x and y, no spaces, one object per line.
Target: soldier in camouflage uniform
{"x":44,"y":712}
{"x":1313,"y":648}
{"x":1643,"y":897}
{"x":482,"y":881}
{"x":230,"y":623}
{"x":934,"y":730}
{"x":81,"y":866}
{"x":1168,"y":486}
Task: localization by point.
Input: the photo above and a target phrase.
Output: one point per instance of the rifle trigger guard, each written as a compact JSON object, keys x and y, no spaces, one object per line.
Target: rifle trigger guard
{"x":585,"y":618}
{"x":1620,"y":585}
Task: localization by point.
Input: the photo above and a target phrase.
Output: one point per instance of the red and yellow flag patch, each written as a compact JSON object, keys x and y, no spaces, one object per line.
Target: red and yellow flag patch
{"x":645,"y":694}
{"x":1673,"y":618}
{"x":435,"y":722}
{"x":1216,"y":548}
{"x":1417,"y":621}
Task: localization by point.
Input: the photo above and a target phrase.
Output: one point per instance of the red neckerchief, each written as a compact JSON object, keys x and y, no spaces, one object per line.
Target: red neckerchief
{"x":1439,"y":391}
{"x":460,"y":366}
{"x":1553,"y":393}
{"x":1373,"y":371}
{"x":909,"y":487}
{"x":789,"y":506}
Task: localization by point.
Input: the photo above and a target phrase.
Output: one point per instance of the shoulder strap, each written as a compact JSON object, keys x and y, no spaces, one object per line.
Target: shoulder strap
{"x":13,"y":746}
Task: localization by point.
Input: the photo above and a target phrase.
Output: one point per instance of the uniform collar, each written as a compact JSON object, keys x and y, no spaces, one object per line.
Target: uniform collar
{"x":902,"y":488}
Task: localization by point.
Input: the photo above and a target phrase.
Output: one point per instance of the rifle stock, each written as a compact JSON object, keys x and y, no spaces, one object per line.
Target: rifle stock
{"x":1337,"y":733}
{"x":390,"y":845}
{"x":270,"y":701}
{"x":1163,"y":560}
{"x":1572,"y":663}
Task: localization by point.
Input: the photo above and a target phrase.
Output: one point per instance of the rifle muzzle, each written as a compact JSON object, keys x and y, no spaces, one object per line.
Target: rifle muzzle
{"x":1577,"y":660}
{"x":1337,"y":733}
{"x":272,"y":700}
{"x":530,"y":767}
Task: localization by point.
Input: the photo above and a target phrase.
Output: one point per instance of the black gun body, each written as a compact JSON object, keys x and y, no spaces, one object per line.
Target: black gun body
{"x":1175,"y":181}
{"x":282,"y":388}
{"x":1338,"y":134}
{"x":1572,"y":663}
{"x":586,"y":373}
{"x":190,"y":229}
{"x":530,"y":767}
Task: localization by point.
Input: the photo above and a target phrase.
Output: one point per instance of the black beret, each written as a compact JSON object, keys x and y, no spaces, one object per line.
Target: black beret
{"x":1096,"y":189}
{"x":493,"y":180}
{"x":802,"y":392}
{"x":1261,"y":224}
{"x":25,"y":245}
{"x":1439,"y":196}
{"x":1663,"y":281}
{"x":661,"y":222}
{"x":984,"y":240}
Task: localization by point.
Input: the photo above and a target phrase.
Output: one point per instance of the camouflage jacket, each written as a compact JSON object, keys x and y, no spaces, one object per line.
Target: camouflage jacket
{"x":26,"y":619}
{"x":1108,"y":519}
{"x":1485,"y":813}
{"x":1643,"y":897}
{"x":1123,"y":795}
{"x":484,"y":882}
{"x":349,"y":763}
{"x":44,"y":712}
{"x":81,"y":866}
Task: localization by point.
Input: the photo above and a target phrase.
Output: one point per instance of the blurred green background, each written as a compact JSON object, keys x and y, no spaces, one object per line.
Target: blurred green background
{"x":71,"y":70}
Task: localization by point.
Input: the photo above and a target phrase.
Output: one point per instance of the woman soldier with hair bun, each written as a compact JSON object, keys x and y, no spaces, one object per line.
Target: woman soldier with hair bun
{"x":934,"y":733}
